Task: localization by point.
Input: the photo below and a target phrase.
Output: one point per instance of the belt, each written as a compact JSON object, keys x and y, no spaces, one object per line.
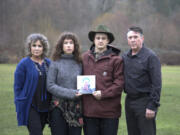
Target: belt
{"x":136,"y":96}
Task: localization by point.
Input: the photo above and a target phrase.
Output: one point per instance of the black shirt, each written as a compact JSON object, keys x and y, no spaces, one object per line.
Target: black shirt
{"x":142,"y":74}
{"x":41,"y":98}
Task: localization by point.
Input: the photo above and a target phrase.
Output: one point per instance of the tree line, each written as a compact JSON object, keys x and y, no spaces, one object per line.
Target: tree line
{"x":159,"y":19}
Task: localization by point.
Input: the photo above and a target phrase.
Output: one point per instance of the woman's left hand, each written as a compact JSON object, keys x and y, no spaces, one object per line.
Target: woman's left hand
{"x":78,"y":94}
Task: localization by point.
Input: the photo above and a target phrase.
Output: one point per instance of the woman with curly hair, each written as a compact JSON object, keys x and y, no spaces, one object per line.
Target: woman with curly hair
{"x":30,"y":94}
{"x":65,"y":114}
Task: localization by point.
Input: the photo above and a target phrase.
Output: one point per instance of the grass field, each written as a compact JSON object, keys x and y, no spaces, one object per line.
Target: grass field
{"x":168,"y":118}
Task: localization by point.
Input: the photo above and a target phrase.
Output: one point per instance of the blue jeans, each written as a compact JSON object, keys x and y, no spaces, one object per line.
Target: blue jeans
{"x":100,"y":126}
{"x":59,"y":126}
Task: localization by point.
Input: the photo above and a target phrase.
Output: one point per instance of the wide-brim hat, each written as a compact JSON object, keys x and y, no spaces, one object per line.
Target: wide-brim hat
{"x":101,"y":29}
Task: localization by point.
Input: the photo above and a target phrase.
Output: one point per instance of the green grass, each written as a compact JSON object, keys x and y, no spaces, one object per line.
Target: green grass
{"x":168,"y":118}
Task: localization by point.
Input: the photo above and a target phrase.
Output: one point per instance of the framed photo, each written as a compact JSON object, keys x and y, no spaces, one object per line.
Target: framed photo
{"x":86,"y":84}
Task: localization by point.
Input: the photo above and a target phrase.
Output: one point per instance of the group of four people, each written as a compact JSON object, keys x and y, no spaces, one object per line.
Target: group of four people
{"x":46,"y":92}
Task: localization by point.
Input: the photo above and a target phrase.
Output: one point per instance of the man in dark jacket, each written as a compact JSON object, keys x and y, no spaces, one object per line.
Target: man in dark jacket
{"x":142,"y":72}
{"x":102,"y":109}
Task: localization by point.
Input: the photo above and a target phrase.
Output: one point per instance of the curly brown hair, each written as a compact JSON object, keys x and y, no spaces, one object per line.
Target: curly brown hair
{"x":59,"y":46}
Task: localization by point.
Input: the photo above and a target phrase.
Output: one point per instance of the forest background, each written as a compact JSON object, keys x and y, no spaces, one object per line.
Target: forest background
{"x":160,"y":20}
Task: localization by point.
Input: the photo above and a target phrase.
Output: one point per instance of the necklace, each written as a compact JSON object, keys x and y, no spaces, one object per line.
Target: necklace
{"x":38,"y":67}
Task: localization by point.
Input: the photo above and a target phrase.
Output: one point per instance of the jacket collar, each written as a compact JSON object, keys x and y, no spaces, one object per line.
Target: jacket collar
{"x":110,"y":49}
{"x":141,"y":52}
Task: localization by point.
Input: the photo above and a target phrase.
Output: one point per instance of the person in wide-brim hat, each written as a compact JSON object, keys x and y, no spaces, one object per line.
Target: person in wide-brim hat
{"x":102,"y":106}
{"x":101,"y":29}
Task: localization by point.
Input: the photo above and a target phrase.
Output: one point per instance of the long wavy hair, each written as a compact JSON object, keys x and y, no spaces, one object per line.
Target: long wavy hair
{"x":59,"y":46}
{"x":33,"y":38}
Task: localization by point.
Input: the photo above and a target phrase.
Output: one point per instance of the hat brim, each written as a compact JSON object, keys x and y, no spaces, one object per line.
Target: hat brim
{"x":92,"y":34}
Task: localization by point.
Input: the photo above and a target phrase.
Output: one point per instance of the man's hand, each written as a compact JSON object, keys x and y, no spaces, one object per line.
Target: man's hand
{"x":97,"y":94}
{"x":150,"y":113}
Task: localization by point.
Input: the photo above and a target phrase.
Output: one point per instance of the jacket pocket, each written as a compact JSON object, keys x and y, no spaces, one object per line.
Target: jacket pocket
{"x":21,"y":104}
